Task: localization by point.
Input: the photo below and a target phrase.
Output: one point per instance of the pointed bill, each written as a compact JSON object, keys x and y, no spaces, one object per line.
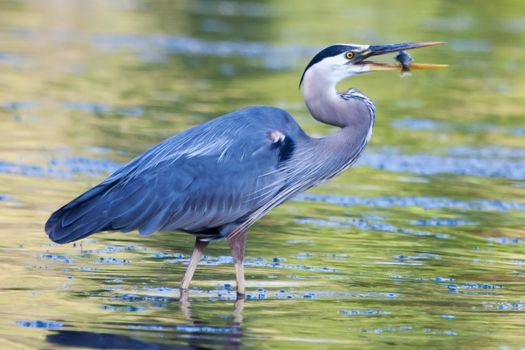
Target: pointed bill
{"x":376,"y":50}
{"x":398,"y":66}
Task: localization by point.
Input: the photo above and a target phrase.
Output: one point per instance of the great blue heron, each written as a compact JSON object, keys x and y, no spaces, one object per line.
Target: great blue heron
{"x":216,"y":179}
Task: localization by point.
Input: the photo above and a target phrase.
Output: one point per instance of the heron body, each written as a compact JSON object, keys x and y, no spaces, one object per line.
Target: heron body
{"x":216,"y":179}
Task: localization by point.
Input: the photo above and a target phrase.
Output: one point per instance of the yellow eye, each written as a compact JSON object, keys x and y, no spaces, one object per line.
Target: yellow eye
{"x":349,"y":55}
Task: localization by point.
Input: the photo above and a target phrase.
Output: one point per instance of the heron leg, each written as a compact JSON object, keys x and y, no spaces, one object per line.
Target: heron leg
{"x":194,"y":260}
{"x":237,"y":243}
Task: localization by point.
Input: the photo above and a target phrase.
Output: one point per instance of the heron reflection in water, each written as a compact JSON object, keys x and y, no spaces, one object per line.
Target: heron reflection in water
{"x":230,"y":336}
{"x":195,"y":332}
{"x":218,"y":178}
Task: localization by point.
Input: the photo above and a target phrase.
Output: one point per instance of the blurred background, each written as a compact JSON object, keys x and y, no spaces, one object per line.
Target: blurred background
{"x":421,"y":245}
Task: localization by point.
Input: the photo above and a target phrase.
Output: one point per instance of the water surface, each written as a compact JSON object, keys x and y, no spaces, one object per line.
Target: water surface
{"x":420,"y":246}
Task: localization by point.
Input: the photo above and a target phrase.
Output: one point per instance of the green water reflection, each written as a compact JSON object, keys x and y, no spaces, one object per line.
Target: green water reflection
{"x":421,"y":246}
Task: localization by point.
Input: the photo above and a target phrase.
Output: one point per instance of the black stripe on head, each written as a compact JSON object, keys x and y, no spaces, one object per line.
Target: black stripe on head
{"x":330,"y":51}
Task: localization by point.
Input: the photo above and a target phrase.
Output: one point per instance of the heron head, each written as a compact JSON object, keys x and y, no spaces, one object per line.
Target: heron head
{"x":340,"y":61}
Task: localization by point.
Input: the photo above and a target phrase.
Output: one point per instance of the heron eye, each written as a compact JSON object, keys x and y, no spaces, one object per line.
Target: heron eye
{"x":349,"y":55}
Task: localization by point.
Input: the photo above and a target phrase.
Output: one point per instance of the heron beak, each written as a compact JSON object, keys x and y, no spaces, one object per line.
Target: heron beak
{"x":376,"y":50}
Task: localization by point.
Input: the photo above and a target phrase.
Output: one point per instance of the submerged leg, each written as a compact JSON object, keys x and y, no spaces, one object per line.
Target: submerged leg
{"x":237,"y":310}
{"x":194,"y":260}
{"x":237,"y":244}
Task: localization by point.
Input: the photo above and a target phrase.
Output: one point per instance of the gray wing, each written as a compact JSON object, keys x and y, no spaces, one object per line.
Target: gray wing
{"x":204,"y":178}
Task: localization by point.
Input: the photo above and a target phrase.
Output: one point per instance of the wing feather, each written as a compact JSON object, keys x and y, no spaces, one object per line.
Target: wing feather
{"x":206,"y":177}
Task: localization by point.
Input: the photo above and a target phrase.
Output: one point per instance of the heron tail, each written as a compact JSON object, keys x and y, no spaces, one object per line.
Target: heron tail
{"x":80,"y":218}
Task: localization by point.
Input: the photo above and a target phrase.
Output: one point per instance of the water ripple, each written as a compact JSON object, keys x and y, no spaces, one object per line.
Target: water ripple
{"x":364,"y":312}
{"x":40,"y":324}
{"x":364,"y":225}
{"x":504,"y":306}
{"x":7,"y":198}
{"x":254,"y":262}
{"x":427,"y":203}
{"x":100,"y":108}
{"x":15,"y":60}
{"x":62,"y":168}
{"x":18,"y":105}
{"x":443,"y":222}
{"x":425,"y":164}
{"x":424,"y":124}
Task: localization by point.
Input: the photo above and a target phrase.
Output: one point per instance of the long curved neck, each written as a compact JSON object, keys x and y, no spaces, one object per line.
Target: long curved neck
{"x":352,"y":111}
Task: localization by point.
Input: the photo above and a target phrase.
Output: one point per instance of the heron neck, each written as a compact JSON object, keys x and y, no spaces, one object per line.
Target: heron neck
{"x":330,"y":107}
{"x":351,"y":111}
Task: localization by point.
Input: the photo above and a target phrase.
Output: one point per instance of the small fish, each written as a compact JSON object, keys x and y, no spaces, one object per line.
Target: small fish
{"x":405,"y":59}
